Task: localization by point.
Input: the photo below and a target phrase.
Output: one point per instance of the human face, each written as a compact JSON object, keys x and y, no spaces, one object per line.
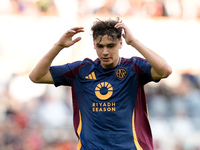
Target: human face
{"x":108,"y":51}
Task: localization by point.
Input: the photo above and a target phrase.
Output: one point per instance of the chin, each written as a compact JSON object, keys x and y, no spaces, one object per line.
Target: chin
{"x":107,"y":65}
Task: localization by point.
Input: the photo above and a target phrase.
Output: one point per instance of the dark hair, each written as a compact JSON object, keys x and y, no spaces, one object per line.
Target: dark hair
{"x":107,"y":27}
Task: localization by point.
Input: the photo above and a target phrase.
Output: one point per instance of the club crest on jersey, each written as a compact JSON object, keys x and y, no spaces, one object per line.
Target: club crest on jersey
{"x":121,"y":73}
{"x":104,"y":90}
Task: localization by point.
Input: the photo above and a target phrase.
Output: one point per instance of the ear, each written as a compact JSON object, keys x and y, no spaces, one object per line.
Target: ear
{"x":121,"y":43}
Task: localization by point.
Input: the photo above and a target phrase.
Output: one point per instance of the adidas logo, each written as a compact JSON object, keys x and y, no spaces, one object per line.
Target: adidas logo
{"x":91,"y":76}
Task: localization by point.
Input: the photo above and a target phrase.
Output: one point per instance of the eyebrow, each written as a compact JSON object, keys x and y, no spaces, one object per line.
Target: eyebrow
{"x":110,"y":44}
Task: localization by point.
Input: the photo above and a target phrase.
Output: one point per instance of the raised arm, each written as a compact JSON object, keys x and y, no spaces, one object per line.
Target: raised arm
{"x":41,"y":73}
{"x":160,"y":69}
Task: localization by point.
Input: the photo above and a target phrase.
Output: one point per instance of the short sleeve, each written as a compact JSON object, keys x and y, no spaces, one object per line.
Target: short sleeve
{"x":64,"y":74}
{"x":143,"y":70}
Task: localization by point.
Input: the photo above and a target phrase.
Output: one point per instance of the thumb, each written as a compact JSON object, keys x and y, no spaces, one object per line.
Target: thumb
{"x":124,"y":35}
{"x":76,"y":40}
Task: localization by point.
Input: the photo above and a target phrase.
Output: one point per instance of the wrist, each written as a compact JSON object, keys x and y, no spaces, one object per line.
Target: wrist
{"x":134,"y":42}
{"x":58,"y":46}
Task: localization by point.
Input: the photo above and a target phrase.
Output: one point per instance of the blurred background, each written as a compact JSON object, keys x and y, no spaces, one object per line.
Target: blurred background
{"x":39,"y":117}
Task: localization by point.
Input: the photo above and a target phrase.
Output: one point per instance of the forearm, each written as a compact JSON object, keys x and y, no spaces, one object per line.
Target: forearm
{"x":42,"y":68}
{"x":160,"y":66}
{"x":160,"y":69}
{"x":41,"y":73}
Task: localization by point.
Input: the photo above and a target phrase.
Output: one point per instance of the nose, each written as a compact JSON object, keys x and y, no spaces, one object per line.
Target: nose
{"x":105,"y":51}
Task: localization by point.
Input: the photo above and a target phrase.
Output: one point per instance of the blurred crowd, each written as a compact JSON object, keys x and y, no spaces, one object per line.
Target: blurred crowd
{"x":134,"y":8}
{"x":39,"y":117}
{"x":174,"y":112}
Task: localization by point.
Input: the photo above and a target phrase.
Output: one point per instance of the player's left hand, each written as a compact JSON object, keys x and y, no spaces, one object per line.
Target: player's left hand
{"x":127,"y":35}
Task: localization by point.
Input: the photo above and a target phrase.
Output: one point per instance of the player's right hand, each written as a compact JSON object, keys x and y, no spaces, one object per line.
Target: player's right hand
{"x":66,"y":40}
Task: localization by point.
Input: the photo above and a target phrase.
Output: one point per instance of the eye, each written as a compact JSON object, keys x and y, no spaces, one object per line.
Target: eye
{"x":99,"y":46}
{"x":110,"y":45}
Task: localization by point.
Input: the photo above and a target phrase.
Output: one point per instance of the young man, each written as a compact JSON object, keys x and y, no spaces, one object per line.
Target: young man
{"x":109,"y":103}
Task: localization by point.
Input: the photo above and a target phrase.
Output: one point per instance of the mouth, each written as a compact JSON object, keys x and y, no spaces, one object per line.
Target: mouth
{"x":106,"y":59}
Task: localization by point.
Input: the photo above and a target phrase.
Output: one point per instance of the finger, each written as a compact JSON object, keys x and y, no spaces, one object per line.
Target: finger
{"x":80,"y":30}
{"x":72,"y":32}
{"x":74,"y":28}
{"x":76,"y":40}
{"x":77,"y":29}
{"x":119,"y":25}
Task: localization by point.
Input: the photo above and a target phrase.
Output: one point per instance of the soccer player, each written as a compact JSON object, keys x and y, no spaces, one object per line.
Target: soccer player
{"x":109,"y":103}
